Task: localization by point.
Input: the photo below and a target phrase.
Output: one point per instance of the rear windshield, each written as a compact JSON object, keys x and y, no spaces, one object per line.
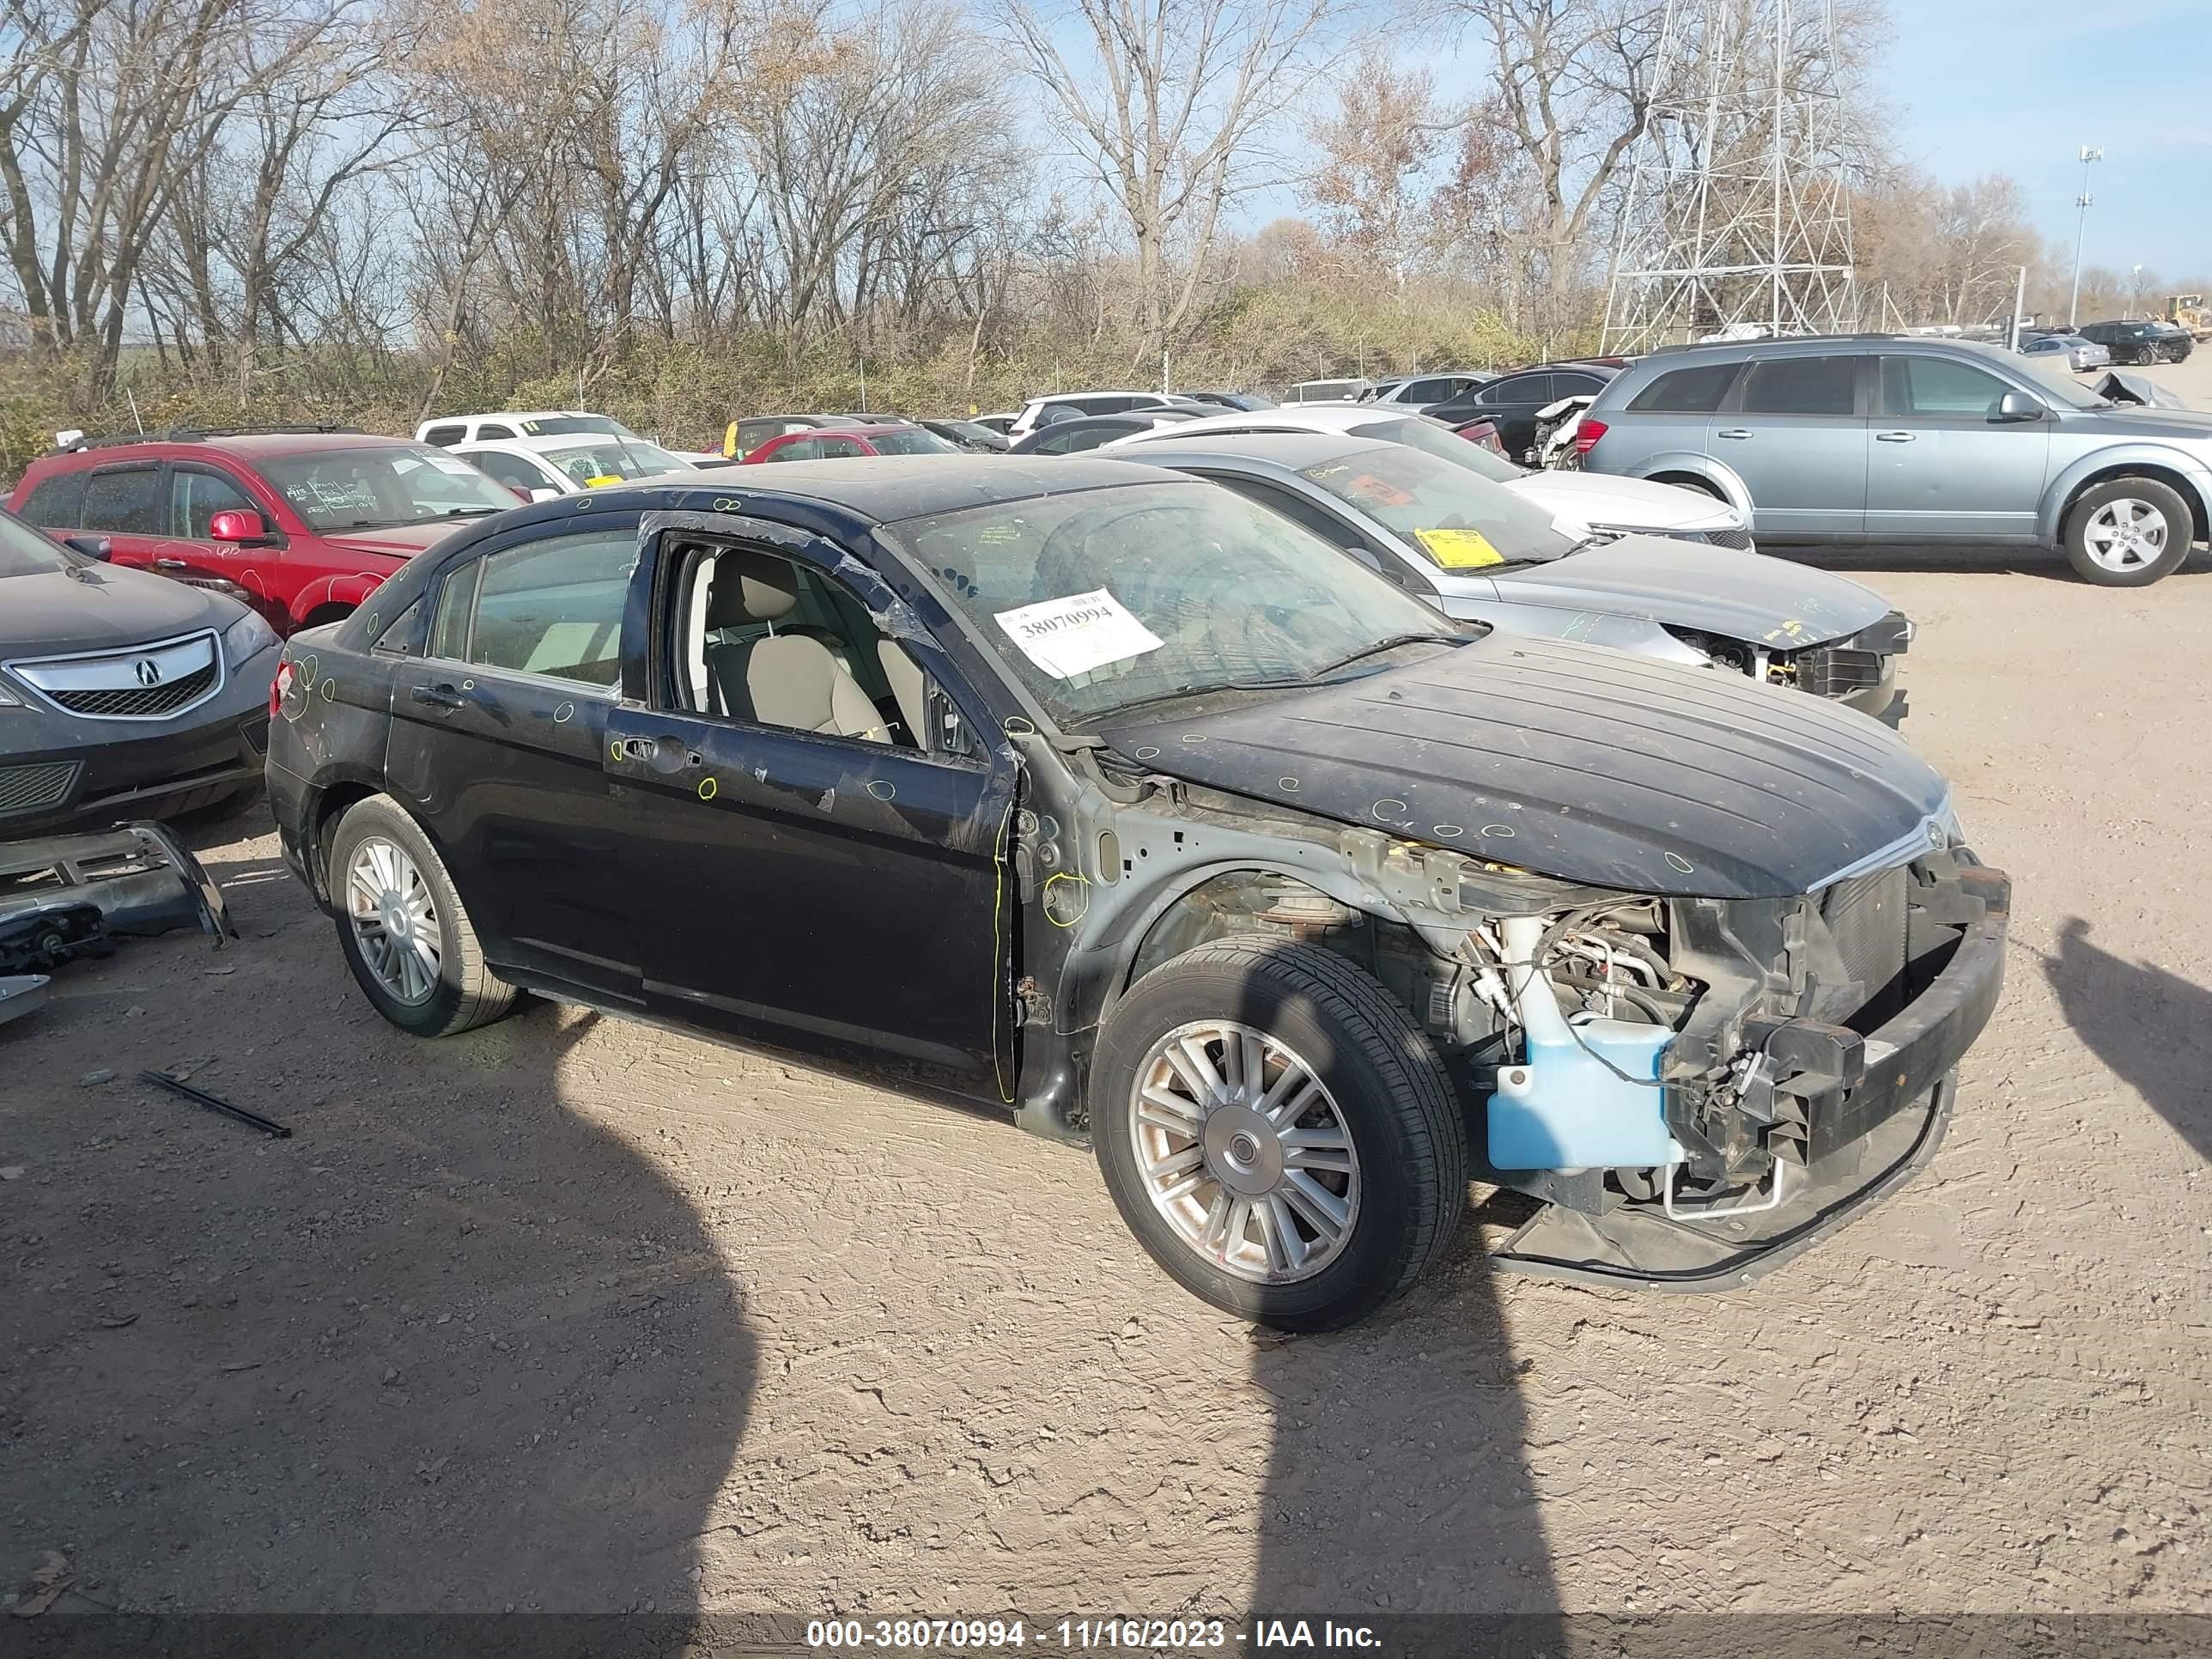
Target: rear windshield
{"x":613,"y":461}
{"x":1446,"y":445}
{"x":383,"y":488}
{"x":24,"y":552}
{"x":1458,"y":521}
{"x":915,"y":442}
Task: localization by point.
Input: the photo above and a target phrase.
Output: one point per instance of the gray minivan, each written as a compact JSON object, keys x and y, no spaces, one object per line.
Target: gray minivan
{"x":1887,"y":438}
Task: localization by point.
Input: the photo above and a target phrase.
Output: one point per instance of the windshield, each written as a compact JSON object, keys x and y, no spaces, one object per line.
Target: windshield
{"x":1106,"y":598}
{"x":560,"y":426}
{"x":613,"y":461}
{"x":1435,"y":437}
{"x":379,"y":488}
{"x":915,"y":442}
{"x":24,"y":552}
{"x":1460,"y":521}
{"x":2052,"y":376}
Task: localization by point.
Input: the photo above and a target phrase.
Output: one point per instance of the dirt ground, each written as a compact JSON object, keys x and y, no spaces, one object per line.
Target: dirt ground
{"x":572,"y":1314}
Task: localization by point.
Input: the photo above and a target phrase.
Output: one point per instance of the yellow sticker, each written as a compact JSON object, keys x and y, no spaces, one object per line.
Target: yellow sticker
{"x":603,"y":478}
{"x":1459,"y":550}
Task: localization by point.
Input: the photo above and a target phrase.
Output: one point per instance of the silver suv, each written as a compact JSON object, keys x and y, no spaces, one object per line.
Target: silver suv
{"x":1883,"y":438}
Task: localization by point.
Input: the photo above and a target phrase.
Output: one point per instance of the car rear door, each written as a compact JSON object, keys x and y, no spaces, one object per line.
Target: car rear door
{"x":126,"y":502}
{"x":1794,"y":428}
{"x":497,"y":747}
{"x":1512,"y":404}
{"x":1942,"y":464}
{"x":823,"y":890}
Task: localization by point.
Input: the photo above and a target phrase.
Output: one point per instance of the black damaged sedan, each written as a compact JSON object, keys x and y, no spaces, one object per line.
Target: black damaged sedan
{"x":1121,"y":804}
{"x":123,"y":695}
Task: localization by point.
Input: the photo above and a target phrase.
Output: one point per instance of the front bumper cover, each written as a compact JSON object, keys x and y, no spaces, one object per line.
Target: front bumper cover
{"x":1869,"y":1138}
{"x":68,"y":896}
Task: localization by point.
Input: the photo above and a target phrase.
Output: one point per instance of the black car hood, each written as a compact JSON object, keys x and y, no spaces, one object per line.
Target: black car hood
{"x":1716,"y":590}
{"x":1591,"y":765}
{"x":48,"y":612}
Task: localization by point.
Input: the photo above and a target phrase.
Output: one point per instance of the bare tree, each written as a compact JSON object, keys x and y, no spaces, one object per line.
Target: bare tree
{"x":1168,"y":106}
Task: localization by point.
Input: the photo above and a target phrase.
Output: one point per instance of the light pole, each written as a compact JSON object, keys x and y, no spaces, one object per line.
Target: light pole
{"x":2089,"y":153}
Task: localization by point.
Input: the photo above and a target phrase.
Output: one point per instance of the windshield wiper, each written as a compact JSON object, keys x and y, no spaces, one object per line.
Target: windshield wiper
{"x":1380,"y":646}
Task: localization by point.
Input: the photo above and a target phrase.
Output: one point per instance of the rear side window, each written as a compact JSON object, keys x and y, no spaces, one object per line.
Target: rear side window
{"x":125,"y":502}
{"x":57,"y":502}
{"x":445,"y":436}
{"x":551,"y":607}
{"x":491,"y":429}
{"x":1686,"y":390}
{"x":1803,"y":386}
{"x":1520,"y":389}
{"x":806,"y":449}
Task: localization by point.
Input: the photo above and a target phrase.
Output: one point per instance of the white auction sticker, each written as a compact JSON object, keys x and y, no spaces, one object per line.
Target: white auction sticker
{"x":1073,"y":636}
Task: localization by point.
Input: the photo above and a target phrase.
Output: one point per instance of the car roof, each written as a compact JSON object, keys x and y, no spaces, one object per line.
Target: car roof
{"x":522,"y":415}
{"x":243,"y":445}
{"x":540,"y":443}
{"x":1292,"y":451}
{"x":890,"y":488}
{"x":1305,"y":417}
{"x":1098,"y":392}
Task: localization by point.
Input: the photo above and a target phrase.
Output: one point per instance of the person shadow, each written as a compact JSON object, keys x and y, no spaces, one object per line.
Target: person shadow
{"x":457,"y":1346}
{"x":2151,"y":1026}
{"x":1397,"y":1483}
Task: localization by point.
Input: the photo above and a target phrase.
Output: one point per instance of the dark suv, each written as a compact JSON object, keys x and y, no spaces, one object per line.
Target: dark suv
{"x":1888,"y":438}
{"x":2147,"y":342}
{"x":301,"y":523}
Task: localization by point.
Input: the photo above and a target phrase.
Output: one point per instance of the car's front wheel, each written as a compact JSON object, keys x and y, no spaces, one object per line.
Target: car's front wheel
{"x":1277,"y":1132}
{"x":2127,"y":532}
{"x":404,"y":930}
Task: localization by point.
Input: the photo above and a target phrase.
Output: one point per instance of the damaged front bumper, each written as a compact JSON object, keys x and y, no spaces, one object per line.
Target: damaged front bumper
{"x":63,"y":897}
{"x":1867,"y":1136}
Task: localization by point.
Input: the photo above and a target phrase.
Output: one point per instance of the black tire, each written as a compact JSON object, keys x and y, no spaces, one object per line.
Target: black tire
{"x":1688,"y":481}
{"x":467,"y":994}
{"x":2075,"y":534}
{"x":1391,"y":1091}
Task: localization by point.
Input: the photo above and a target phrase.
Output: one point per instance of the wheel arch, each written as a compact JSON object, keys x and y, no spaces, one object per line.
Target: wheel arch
{"x":1696,"y":470}
{"x":2192,"y":483}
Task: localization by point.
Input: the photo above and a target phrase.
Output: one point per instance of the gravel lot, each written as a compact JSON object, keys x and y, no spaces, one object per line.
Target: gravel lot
{"x":571,"y":1314}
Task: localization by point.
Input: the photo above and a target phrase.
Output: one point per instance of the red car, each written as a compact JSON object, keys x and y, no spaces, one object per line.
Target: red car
{"x":846,"y":442}
{"x":300,"y":524}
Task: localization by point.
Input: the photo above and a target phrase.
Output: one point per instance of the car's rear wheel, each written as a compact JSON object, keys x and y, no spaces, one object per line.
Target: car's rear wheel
{"x":1277,"y":1132}
{"x":404,"y":929}
{"x":2127,"y":532}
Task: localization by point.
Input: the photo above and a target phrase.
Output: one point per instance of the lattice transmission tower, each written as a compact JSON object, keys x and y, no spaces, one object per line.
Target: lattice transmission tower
{"x":1737,"y":220}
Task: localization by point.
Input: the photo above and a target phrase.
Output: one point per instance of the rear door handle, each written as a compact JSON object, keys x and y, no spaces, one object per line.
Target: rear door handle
{"x":1735,"y":432}
{"x":1892,"y":437}
{"x":665,"y":755}
{"x":439,"y":696}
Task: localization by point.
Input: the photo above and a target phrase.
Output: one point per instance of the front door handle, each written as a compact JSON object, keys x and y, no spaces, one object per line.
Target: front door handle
{"x":439,"y":696}
{"x":1892,"y":437}
{"x":1735,"y":432}
{"x":171,"y":564}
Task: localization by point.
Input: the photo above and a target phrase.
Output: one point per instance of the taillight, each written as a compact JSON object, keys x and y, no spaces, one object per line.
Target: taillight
{"x":278,"y":687}
{"x":1587,"y":435}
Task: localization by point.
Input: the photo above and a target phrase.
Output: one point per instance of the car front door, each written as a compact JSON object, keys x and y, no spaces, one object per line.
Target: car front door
{"x":1795,"y":430}
{"x":498,"y":735}
{"x":1944,"y":463}
{"x":807,"y":868}
{"x":197,"y":492}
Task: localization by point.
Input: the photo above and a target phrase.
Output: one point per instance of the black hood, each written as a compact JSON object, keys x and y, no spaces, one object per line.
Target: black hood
{"x":49,"y":612}
{"x":1574,"y":762}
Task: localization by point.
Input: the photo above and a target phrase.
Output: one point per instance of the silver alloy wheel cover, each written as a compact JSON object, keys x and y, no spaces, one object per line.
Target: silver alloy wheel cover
{"x":1243,"y":1152}
{"x":2126,"y":533}
{"x":394,"y":920}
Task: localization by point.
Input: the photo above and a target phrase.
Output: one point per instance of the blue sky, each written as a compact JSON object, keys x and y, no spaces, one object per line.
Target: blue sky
{"x":2018,"y":86}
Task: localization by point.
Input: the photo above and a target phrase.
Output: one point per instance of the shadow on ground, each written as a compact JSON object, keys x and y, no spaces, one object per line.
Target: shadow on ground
{"x":452,"y":1347}
{"x":2152,"y":1027}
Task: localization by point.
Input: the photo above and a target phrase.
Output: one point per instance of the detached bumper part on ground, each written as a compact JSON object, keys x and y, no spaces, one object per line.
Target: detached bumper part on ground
{"x":68,"y":895}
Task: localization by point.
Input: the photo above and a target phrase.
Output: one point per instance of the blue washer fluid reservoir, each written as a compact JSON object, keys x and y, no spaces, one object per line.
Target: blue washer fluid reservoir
{"x":1560,"y":1108}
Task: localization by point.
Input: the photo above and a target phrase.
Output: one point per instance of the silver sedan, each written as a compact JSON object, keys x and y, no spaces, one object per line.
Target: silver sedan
{"x":2079,"y":354}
